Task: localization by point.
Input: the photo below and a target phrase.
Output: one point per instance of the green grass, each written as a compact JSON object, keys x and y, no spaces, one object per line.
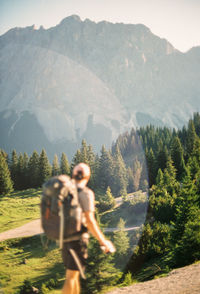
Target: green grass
{"x":19,"y":208}
{"x":41,"y":264}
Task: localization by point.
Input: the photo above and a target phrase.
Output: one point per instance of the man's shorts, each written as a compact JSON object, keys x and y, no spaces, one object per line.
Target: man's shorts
{"x":81,"y":251}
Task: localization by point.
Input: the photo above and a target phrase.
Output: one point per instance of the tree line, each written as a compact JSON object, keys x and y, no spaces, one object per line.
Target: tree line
{"x":19,"y":171}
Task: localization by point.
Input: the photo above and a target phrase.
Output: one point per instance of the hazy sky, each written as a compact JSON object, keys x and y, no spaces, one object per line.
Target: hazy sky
{"x":178,"y":21}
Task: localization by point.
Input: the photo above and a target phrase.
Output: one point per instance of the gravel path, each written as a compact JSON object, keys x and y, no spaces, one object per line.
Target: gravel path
{"x":184,"y":280}
{"x":30,"y":229}
{"x":34,"y":228}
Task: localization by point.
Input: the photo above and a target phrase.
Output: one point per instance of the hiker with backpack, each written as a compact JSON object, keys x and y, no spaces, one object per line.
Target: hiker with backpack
{"x":67,"y":216}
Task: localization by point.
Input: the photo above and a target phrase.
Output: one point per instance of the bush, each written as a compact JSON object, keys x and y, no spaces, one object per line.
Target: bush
{"x":128,"y":280}
{"x":27,"y":288}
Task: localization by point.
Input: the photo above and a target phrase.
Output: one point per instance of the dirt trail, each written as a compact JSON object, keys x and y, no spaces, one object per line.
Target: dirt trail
{"x":184,"y":280}
{"x":34,"y":228}
{"x":30,"y":229}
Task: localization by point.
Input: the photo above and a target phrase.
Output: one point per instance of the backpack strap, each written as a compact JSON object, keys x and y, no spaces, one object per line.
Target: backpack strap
{"x":61,"y":214}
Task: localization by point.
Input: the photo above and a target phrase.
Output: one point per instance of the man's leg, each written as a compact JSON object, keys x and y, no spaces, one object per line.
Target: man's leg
{"x":72,"y":283}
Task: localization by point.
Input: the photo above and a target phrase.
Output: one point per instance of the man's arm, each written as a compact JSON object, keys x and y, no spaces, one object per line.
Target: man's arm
{"x":94,"y":229}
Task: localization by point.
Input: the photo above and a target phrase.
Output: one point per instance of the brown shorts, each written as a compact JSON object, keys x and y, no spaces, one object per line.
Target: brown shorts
{"x":80,"y":249}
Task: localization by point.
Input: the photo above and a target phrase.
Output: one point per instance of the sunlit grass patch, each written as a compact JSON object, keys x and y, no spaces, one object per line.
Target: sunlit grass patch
{"x":27,"y":259}
{"x":19,"y":208}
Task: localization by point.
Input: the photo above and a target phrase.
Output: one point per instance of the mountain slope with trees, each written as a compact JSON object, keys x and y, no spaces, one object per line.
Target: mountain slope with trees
{"x":57,"y":82}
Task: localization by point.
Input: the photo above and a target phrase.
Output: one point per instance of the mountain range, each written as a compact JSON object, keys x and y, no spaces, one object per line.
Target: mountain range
{"x":82,"y":79}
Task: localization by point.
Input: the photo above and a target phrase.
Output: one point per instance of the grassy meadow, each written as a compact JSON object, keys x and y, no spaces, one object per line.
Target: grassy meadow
{"x":26,"y":258}
{"x":19,"y":208}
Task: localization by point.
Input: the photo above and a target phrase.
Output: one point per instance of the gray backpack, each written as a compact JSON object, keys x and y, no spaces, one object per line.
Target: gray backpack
{"x":61,"y":213}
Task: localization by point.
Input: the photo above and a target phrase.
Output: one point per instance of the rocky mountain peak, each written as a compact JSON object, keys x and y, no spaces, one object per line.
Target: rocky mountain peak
{"x":70,"y":19}
{"x":82,"y":79}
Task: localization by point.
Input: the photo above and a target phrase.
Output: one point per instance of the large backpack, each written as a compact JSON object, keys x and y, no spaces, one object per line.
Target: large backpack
{"x":61,"y":213}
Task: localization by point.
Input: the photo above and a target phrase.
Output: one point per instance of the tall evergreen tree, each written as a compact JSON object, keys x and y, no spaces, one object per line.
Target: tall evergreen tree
{"x":101,"y":272}
{"x":177,"y":157}
{"x":162,"y":157}
{"x":187,"y":209}
{"x":91,"y":160}
{"x":84,"y":152}
{"x":120,"y":174}
{"x":6,"y":185}
{"x":76,"y":159}
{"x":20,"y":173}
{"x":151,"y":163}
{"x":13,"y":168}
{"x":196,"y":120}
{"x":106,"y":201}
{"x":55,"y":166}
{"x":169,"y":177}
{"x":33,"y":170}
{"x":191,"y":138}
{"x":64,"y":165}
{"x":106,"y":171}
{"x":121,"y":242}
{"x":45,"y":169}
{"x":160,"y":178}
{"x":137,"y":170}
{"x":25,"y":171}
{"x":130,"y":177}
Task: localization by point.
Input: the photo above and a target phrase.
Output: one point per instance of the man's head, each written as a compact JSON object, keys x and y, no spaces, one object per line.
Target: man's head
{"x":81,"y":173}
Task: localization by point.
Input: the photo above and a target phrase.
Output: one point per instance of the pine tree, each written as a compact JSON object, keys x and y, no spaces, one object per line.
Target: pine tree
{"x":84,"y":152}
{"x":191,"y":138}
{"x":196,"y":120}
{"x":26,"y":183}
{"x":162,"y":157}
{"x":101,"y":272}
{"x":105,"y":175}
{"x":121,"y":242}
{"x":92,"y":163}
{"x":151,"y":163}
{"x":169,"y":177}
{"x":137,"y":170}
{"x":20,"y":173}
{"x":6,"y":185}
{"x":120,"y":174}
{"x":76,"y":159}
{"x":177,"y":157}
{"x":45,"y":169}
{"x":33,"y":170}
{"x":160,"y":178}
{"x":13,"y":168}
{"x":185,"y":230}
{"x":106,"y":201}
{"x":144,"y":181}
{"x":194,"y":160}
{"x":55,"y":166}
{"x":130,"y":177}
{"x":64,"y":165}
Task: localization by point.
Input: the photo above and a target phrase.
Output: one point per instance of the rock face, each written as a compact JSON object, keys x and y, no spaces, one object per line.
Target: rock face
{"x":90,"y":80}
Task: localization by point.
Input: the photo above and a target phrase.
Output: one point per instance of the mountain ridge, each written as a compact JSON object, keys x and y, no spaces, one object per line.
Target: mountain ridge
{"x":143,"y":77}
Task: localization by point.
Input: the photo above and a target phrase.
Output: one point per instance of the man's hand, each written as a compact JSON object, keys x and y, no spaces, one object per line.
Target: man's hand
{"x":108,"y":247}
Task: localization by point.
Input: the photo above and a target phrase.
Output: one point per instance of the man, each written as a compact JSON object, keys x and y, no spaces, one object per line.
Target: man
{"x":74,"y":249}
